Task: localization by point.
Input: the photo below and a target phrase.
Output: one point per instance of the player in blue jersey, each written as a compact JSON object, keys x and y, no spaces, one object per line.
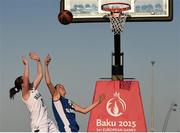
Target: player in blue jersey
{"x":64,"y":108}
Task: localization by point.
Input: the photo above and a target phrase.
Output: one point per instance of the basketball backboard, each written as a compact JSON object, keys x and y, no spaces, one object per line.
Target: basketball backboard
{"x":141,"y":10}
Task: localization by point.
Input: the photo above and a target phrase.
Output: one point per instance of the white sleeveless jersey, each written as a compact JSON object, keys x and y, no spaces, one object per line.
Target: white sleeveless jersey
{"x":37,"y":109}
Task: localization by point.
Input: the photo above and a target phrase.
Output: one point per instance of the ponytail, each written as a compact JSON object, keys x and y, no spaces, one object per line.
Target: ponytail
{"x":16,"y":88}
{"x":12,"y":92}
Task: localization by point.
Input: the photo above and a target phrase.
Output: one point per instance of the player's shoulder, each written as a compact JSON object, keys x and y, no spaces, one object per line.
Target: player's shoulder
{"x":65,"y":100}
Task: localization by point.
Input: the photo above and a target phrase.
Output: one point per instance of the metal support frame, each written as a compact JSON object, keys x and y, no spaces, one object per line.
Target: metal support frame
{"x":117,"y":59}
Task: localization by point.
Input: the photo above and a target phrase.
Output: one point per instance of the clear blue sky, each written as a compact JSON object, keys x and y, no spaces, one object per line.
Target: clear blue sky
{"x":81,"y":54}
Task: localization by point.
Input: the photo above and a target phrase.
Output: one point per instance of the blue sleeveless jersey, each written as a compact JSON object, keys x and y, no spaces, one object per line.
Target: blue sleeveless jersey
{"x":65,"y":115}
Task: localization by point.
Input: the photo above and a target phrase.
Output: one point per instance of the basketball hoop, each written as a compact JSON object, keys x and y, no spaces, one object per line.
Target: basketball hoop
{"x":117,"y":16}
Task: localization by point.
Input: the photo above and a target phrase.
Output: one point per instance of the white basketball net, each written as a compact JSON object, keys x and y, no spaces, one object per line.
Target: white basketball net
{"x":117,"y":23}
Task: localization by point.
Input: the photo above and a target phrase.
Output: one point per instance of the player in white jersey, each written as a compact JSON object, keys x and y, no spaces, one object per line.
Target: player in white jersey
{"x":32,"y":98}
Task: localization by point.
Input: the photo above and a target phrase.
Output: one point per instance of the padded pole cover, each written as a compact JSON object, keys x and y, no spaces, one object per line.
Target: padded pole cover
{"x":122,"y":109}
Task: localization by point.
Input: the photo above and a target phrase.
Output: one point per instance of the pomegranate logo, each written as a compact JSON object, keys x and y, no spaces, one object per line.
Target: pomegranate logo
{"x":116,"y":105}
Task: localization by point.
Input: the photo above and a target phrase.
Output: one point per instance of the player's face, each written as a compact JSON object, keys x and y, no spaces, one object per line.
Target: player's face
{"x":61,"y":90}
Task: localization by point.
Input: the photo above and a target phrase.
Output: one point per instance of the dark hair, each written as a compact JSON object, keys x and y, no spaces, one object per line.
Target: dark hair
{"x":56,"y":86}
{"x":16,"y":88}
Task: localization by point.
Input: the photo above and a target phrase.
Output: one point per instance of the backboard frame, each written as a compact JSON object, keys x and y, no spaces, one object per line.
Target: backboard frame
{"x":167,"y":17}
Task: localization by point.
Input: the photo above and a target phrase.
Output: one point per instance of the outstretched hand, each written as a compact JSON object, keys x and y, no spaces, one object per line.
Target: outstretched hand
{"x":24,"y":60}
{"x":47,"y":59}
{"x":34,"y":56}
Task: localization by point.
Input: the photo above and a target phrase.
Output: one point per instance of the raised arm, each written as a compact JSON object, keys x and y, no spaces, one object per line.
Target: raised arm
{"x":49,"y":84}
{"x":39,"y":76}
{"x":89,"y":108}
{"x":25,"y":77}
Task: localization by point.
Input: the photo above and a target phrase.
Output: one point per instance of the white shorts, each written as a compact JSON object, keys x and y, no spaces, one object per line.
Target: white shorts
{"x":49,"y":127}
{"x":52,"y":127}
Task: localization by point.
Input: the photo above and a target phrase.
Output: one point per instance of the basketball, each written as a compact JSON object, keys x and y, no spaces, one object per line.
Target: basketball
{"x":65,"y":17}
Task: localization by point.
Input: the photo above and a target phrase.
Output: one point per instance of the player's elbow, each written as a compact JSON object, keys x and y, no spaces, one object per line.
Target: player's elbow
{"x":40,"y":76}
{"x":48,"y":84}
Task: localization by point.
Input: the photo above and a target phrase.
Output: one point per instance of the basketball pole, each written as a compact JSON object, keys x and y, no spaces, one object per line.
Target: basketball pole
{"x":118,"y":57}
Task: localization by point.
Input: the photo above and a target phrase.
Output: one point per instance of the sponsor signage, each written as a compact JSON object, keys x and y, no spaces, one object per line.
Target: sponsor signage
{"x":122,"y":109}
